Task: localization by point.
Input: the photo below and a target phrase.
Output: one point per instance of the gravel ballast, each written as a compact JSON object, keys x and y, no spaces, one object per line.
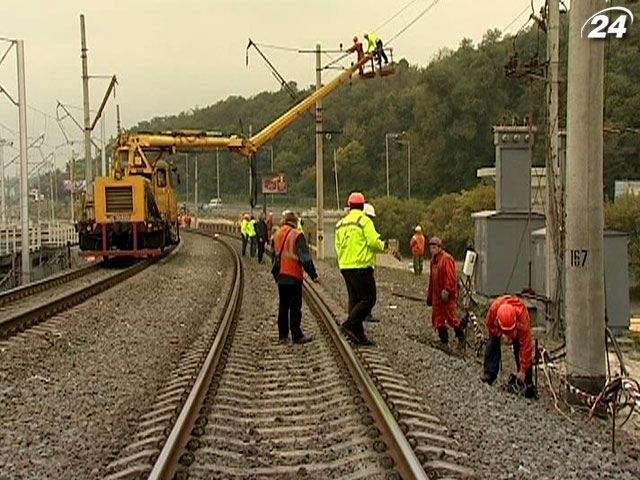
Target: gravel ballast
{"x":72,"y":397}
{"x":507,"y":437}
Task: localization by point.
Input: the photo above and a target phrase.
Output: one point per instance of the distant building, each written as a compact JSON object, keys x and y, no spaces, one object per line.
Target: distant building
{"x":626,"y":187}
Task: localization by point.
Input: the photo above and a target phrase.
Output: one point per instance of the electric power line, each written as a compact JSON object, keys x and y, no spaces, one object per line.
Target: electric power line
{"x":395,"y":15}
{"x":510,"y":24}
{"x":412,"y":22}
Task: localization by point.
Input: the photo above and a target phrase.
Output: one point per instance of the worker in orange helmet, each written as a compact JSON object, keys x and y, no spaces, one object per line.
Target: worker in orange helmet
{"x":442,"y":292}
{"x":357,"y":47}
{"x":417,"y":245}
{"x":508,"y":318}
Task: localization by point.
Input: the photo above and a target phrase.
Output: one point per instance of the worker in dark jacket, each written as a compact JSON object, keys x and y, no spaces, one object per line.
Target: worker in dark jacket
{"x":374,"y":44}
{"x":508,"y":318}
{"x":290,"y":247}
{"x":262,"y":235}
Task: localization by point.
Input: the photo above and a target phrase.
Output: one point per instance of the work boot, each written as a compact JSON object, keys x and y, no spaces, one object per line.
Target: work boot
{"x":369,"y":318}
{"x":443,"y":333}
{"x":350,"y":334}
{"x":486,"y":378}
{"x":364,"y":341}
{"x":302,"y":340}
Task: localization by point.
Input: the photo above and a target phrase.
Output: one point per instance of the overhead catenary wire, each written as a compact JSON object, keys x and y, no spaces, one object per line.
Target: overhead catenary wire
{"x":395,"y":15}
{"x":518,"y":17}
{"x":412,"y":22}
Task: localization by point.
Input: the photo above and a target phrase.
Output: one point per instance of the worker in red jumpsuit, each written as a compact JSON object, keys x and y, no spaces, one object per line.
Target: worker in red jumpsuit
{"x":508,"y":318}
{"x":442,"y":293}
{"x":357,"y":47}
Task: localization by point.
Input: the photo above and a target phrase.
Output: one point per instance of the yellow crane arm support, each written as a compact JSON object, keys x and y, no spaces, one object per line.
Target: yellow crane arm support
{"x":275,"y":127}
{"x":186,"y":140}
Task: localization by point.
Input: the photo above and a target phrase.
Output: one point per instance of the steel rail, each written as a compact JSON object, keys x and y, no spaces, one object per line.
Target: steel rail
{"x":167,"y":462}
{"x":40,"y":286}
{"x":17,"y":322}
{"x":406,"y":462}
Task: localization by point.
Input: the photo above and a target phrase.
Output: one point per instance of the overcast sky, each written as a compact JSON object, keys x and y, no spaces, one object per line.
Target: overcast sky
{"x":172,"y":55}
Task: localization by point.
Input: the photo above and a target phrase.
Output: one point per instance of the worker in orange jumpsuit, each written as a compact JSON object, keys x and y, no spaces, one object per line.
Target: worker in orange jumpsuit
{"x":442,"y":293}
{"x":357,"y":47}
{"x":417,"y":245}
{"x":508,"y":318}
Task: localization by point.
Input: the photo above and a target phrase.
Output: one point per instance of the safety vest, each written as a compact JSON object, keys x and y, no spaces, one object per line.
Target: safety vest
{"x":243,"y":227}
{"x":251,"y":228}
{"x":357,"y":241}
{"x":299,"y":227}
{"x":289,"y":263}
{"x":372,"y":40}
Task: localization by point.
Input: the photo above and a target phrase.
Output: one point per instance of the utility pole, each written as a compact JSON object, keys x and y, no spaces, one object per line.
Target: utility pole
{"x":409,"y":168}
{"x":88,"y":162}
{"x":554,"y":201}
{"x":195,"y":194}
{"x":335,"y":172}
{"x":72,"y":167}
{"x":187,"y":179}
{"x":585,"y":218}
{"x":53,"y":208}
{"x":386,"y":153}
{"x":217,"y":173}
{"x":3,"y":193}
{"x":103,"y":150}
{"x":319,"y":162}
{"x":25,"y":256}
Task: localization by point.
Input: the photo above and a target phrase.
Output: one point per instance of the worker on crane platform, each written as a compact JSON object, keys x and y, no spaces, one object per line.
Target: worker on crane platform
{"x":357,"y":242}
{"x":508,"y":318}
{"x":357,"y":47}
{"x":374,"y":44}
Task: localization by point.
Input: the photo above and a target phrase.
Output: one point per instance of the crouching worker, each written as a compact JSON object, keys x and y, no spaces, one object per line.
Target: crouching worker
{"x":290,"y":257}
{"x":508,"y":318}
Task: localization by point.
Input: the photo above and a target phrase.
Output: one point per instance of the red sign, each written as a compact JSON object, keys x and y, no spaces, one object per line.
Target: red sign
{"x":276,"y":184}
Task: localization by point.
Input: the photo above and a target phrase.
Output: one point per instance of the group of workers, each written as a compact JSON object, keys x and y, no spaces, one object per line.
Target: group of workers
{"x":357,"y":243}
{"x":256,"y":234}
{"x":374,"y":45}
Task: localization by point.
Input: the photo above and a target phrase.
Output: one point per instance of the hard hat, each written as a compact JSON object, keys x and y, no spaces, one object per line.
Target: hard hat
{"x":355,"y":39}
{"x":506,"y":316}
{"x":369,"y":210}
{"x":435,"y":241}
{"x":418,"y":228}
{"x":356,"y":198}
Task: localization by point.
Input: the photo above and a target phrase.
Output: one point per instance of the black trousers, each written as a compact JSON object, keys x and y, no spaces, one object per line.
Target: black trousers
{"x":245,"y":238}
{"x":260,"y":250}
{"x":492,"y":355}
{"x":252,"y":246}
{"x":361,"y":288}
{"x":290,"y":310}
{"x":380,"y":53}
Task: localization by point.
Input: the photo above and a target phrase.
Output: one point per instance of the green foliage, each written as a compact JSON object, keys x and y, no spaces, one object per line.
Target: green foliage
{"x":449,"y":216}
{"x":447,"y":109}
{"x":396,"y":218}
{"x":624,"y":215}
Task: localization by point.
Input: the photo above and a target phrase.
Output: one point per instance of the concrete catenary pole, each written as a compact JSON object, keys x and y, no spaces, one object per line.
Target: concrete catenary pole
{"x":554,"y":203}
{"x":88,"y":175}
{"x":24,"y":166}
{"x":585,"y":219}
{"x":103,"y":150}
{"x":195,"y":193}
{"x":319,"y":162}
{"x":3,"y":193}
{"x":72,"y":179}
{"x":217,"y":173}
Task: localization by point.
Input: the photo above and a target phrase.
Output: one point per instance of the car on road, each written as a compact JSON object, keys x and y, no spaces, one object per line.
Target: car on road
{"x":213,"y":203}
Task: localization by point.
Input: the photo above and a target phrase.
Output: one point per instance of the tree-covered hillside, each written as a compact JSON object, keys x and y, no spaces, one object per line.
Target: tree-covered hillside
{"x":447,"y":108}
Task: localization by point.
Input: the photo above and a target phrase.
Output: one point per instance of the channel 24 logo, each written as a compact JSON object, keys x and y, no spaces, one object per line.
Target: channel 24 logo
{"x":600,"y":27}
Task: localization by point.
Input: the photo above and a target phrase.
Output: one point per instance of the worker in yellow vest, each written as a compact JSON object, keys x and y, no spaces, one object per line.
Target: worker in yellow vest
{"x":251,"y":232}
{"x":374,"y":44}
{"x":357,"y":243}
{"x":244,"y":232}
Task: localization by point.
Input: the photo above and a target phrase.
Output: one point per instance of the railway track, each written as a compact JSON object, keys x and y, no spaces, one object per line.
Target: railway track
{"x":257,"y":408}
{"x":27,"y":306}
